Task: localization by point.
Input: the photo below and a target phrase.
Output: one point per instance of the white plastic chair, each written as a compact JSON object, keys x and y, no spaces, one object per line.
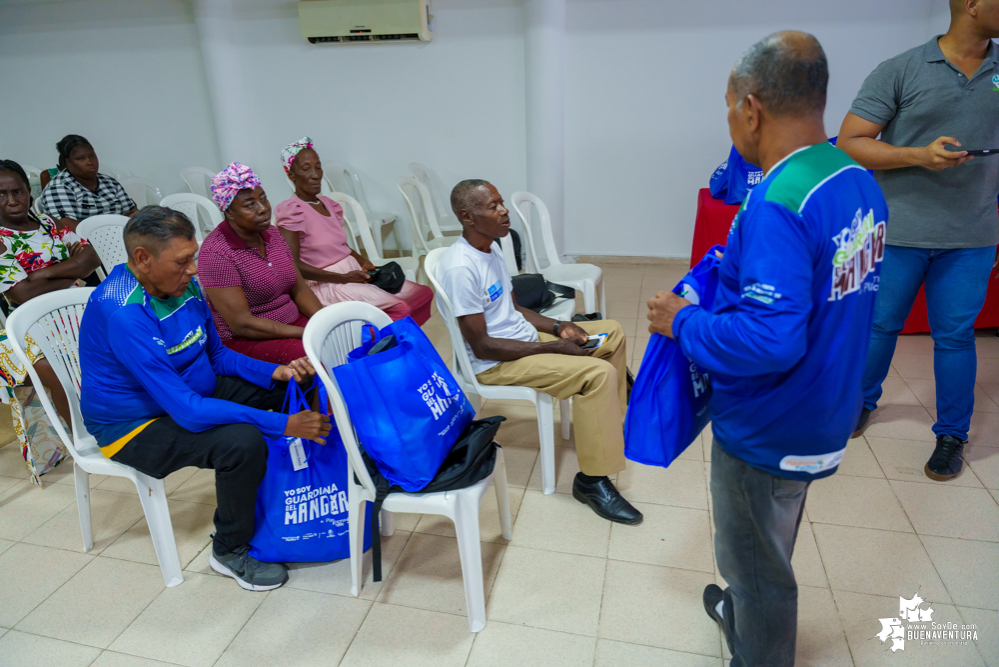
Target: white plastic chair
{"x":357,"y":225}
{"x":441,"y":203}
{"x":142,"y":191}
{"x":34,"y":180}
{"x":329,"y":336}
{"x":53,"y":322}
{"x":462,"y":368}
{"x":105,"y":233}
{"x":343,"y":178}
{"x":113,"y":171}
{"x":584,"y":277}
{"x":200,"y":210}
{"x":199,"y":180}
{"x":421,"y":212}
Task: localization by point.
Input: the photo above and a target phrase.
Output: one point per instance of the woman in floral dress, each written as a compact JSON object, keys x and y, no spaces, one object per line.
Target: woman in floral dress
{"x":36,"y":257}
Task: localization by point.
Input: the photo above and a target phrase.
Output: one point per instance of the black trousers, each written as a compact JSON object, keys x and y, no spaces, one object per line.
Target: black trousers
{"x":237,"y":453}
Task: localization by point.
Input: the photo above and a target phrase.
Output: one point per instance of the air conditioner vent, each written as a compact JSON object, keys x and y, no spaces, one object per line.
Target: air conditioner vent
{"x":364,"y":21}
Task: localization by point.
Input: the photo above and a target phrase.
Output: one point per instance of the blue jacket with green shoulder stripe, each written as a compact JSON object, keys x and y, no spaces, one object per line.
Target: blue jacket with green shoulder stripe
{"x":786,"y":339}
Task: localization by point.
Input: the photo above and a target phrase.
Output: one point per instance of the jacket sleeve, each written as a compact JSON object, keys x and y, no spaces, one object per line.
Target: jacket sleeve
{"x":767,"y":330}
{"x":135,"y":346}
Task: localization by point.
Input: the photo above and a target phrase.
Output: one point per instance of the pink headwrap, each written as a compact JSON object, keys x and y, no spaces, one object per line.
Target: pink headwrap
{"x":291,"y":151}
{"x":228,"y":182}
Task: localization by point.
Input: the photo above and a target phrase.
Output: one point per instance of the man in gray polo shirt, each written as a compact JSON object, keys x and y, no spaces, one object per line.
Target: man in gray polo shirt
{"x":943,"y":226}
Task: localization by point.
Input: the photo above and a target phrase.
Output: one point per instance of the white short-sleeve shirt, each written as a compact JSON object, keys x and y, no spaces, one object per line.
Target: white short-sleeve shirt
{"x":478,"y":282}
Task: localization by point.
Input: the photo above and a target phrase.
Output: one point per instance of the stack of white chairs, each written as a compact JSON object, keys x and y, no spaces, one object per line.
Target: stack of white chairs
{"x":329,"y":336}
{"x":440,"y":201}
{"x":357,"y":226}
{"x":199,"y":180}
{"x":105,"y":234}
{"x":343,"y":178}
{"x":52,"y":321}
{"x":463,"y":373}
{"x":142,"y":191}
{"x":427,"y":233}
{"x":199,"y":210}
{"x":34,"y":180}
{"x":584,"y":277}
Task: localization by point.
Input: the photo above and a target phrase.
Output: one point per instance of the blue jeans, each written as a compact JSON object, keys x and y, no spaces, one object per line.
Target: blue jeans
{"x":756,"y":525}
{"x":955,"y":283}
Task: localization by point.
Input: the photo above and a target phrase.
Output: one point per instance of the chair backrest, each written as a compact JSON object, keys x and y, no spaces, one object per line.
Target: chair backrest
{"x":462,"y":362}
{"x":522,"y":202}
{"x":198,"y":179}
{"x":329,"y":336}
{"x":200,"y":210}
{"x":421,"y":211}
{"x":435,"y":186}
{"x":343,"y":178}
{"x":105,"y":233}
{"x":52,"y":321}
{"x":116,"y":172}
{"x":142,"y":192}
{"x":357,"y":224}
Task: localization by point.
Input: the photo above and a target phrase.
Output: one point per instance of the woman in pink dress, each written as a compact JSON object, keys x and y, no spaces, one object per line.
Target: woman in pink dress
{"x":312,"y":225}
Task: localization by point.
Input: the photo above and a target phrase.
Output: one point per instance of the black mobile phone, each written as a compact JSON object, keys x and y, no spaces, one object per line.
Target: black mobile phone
{"x":592,"y":344}
{"x":985,"y":151}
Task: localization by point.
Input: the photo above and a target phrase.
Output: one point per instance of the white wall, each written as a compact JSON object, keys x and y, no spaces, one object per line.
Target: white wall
{"x":127,"y":75}
{"x":645,"y":118}
{"x":645,"y":111}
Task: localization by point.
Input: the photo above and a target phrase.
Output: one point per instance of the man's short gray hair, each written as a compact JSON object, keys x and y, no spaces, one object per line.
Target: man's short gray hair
{"x":786,"y":71}
{"x":153,"y":227}
{"x":463,"y":194}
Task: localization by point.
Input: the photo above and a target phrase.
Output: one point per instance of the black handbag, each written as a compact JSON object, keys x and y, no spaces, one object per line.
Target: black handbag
{"x":388,"y":277}
{"x":535,"y":293}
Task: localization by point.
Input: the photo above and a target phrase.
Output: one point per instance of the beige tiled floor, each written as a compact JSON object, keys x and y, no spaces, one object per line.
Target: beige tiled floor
{"x":569,"y":589}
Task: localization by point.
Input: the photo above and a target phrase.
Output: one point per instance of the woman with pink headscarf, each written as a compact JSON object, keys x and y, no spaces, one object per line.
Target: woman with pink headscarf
{"x":312,"y":225}
{"x":259,"y":300}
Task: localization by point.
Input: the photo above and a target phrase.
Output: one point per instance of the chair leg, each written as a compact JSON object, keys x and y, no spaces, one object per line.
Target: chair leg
{"x":546,"y":436}
{"x":387,"y":524}
{"x":502,"y":495}
{"x":377,"y":233}
{"x":152,"y":494}
{"x":466,"y":527}
{"x":603,"y":300}
{"x":589,"y":298}
{"x":82,"y":479}
{"x":566,"y":415}
{"x":356,"y":525}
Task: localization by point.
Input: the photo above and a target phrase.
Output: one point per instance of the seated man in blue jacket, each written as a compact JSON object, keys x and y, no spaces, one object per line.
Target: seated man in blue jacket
{"x":161,"y":392}
{"x":786,"y":339}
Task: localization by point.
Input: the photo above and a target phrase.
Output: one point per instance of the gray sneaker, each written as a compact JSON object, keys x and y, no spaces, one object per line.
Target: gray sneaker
{"x":249,"y":573}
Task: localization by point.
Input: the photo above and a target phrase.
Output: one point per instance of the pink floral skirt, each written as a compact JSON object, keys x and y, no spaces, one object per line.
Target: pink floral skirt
{"x":412,"y":300}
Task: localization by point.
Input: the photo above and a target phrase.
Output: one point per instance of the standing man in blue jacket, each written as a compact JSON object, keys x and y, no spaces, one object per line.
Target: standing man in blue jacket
{"x":945,"y":225}
{"x":786,"y":339}
{"x":161,"y":392}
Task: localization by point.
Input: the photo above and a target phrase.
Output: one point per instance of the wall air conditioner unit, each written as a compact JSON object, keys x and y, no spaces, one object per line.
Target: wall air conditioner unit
{"x":364,"y":21}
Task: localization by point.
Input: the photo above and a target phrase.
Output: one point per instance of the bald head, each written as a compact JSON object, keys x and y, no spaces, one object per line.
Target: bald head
{"x":786,"y":71}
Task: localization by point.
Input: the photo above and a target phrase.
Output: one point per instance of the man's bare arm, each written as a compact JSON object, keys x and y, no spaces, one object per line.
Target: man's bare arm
{"x":858,"y":138}
{"x":474,"y":330}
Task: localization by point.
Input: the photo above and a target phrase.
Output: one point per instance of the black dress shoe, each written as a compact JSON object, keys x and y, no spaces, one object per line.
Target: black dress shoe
{"x":865,"y":414}
{"x":605,"y":500}
{"x":945,"y":463}
{"x":712,"y":596}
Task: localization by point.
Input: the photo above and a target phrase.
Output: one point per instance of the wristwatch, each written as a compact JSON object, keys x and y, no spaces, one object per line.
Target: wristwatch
{"x":555,"y":328}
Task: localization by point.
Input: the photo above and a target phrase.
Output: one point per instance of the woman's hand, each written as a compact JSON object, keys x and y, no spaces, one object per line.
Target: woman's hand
{"x":297,"y":369}
{"x":366,"y":264}
{"x":355,"y":277}
{"x":75,"y":248}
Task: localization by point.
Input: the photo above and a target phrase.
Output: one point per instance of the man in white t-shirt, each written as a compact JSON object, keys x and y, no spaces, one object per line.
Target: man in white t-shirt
{"x":510,"y":345}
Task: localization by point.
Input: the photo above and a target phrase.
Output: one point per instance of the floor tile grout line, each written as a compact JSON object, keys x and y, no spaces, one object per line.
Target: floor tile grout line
{"x":976,"y":644}
{"x":263,"y":599}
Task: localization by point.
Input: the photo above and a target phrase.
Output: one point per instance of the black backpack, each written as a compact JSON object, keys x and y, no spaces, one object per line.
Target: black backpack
{"x":471,"y":460}
{"x":535,"y":293}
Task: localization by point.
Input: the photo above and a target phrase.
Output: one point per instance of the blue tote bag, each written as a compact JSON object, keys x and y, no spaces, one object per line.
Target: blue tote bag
{"x":734,"y":178}
{"x":669,"y":400}
{"x":301,"y":514}
{"x":406,"y":406}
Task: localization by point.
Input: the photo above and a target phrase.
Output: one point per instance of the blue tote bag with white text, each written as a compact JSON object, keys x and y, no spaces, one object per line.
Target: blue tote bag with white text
{"x":669,"y":400}
{"x":405,"y":405}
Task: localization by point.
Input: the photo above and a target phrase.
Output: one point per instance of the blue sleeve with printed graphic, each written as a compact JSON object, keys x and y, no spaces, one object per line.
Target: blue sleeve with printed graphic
{"x":766,"y":331}
{"x":134,"y":345}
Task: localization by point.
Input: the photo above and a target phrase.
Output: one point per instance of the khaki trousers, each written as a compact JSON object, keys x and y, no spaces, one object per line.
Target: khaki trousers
{"x":597,"y":385}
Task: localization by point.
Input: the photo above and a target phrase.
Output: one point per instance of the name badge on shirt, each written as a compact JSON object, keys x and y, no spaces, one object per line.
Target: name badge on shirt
{"x":495,"y":291}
